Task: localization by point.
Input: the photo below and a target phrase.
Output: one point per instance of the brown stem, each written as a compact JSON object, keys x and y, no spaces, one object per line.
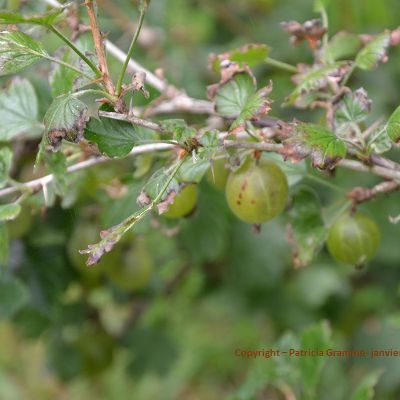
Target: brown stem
{"x":99,"y":45}
{"x":361,"y":195}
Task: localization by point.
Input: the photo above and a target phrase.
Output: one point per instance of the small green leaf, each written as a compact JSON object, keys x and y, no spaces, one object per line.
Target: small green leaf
{"x":9,"y":212}
{"x":343,"y":45}
{"x":114,"y":138}
{"x":318,"y":142}
{"x":393,"y":126}
{"x":250,"y":54}
{"x":13,"y":296}
{"x":5,"y":165}
{"x":374,"y":52}
{"x":65,"y":119}
{"x":379,"y":141}
{"x":238,"y":99}
{"x":314,"y":79}
{"x":49,"y":18}
{"x":179,"y":128}
{"x":365,"y":390}
{"x":18,"y":51}
{"x":62,"y":78}
{"x":3,"y":244}
{"x":19,"y":111}
{"x":318,"y":337}
{"x":353,"y":108}
{"x":193,"y":170}
{"x":56,"y":163}
{"x":307,"y":227}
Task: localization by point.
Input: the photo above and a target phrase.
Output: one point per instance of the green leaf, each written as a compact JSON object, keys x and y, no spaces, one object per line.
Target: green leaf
{"x":9,"y":212}
{"x":320,"y":5}
{"x":307,"y":227}
{"x":18,"y":51}
{"x":393,"y":126}
{"x":353,"y":108}
{"x":314,"y":79}
{"x":238,"y":99}
{"x":3,"y":244}
{"x":343,"y":45}
{"x":49,"y":18}
{"x":19,"y":111}
{"x":193,"y":170}
{"x":250,"y":54}
{"x":318,"y":337}
{"x":379,"y":141}
{"x":365,"y":390}
{"x":65,"y":119}
{"x":56,"y":163}
{"x":62,"y":78}
{"x":179,"y":128}
{"x":325,"y":149}
{"x":13,"y":296}
{"x":374,"y":52}
{"x":5,"y":165}
{"x":114,"y":138}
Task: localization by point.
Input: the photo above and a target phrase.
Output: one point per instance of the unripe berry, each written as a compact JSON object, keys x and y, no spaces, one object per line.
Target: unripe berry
{"x":184,"y":202}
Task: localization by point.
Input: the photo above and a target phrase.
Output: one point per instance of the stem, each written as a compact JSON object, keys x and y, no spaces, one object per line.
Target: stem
{"x":280,"y":64}
{"x":98,"y":42}
{"x":130,"y":51}
{"x":323,"y":182}
{"x":348,"y":75}
{"x":68,"y":42}
{"x":56,"y":60}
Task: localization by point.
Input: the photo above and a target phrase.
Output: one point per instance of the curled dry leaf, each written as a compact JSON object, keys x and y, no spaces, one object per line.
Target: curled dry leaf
{"x":311,"y":31}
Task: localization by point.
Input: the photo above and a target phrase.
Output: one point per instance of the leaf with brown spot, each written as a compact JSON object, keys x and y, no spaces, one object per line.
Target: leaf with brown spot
{"x":65,"y":119}
{"x":311,"y":31}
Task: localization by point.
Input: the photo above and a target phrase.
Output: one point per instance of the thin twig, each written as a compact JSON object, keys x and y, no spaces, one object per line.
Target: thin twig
{"x":134,"y":120}
{"x":99,"y":45}
{"x":361,"y":195}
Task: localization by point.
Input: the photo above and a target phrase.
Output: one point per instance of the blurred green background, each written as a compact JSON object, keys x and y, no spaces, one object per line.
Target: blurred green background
{"x":72,"y":333}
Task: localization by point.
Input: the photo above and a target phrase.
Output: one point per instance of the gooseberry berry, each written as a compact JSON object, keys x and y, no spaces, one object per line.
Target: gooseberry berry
{"x":257,"y":191}
{"x":184,"y":202}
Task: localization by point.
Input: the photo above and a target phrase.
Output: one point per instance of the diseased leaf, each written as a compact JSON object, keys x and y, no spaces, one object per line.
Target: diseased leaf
{"x":19,"y":111}
{"x":318,"y":142}
{"x":366,"y":389}
{"x":307,"y":232}
{"x":315,"y":79}
{"x":374,"y":52}
{"x":49,"y":18}
{"x":114,"y":138}
{"x":9,"y":212}
{"x":178,"y":127}
{"x":353,"y":107}
{"x":393,"y":126}
{"x":238,"y":99}
{"x":343,"y":45}
{"x":311,"y":31}
{"x":65,"y":119}
{"x":18,"y":51}
{"x":5,"y":165}
{"x":379,"y":141}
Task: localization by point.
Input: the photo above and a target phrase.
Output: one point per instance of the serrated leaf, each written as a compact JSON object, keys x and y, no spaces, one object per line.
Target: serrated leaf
{"x":238,"y":99}
{"x":193,"y":170}
{"x":19,"y":111}
{"x":179,"y":128}
{"x":366,"y":389}
{"x":9,"y":212}
{"x":374,"y":52}
{"x":48,"y":18}
{"x":352,"y":108}
{"x":314,"y":79}
{"x":13,"y":296}
{"x":5,"y":165}
{"x":18,"y":51}
{"x":379,"y":141}
{"x":307,"y":230}
{"x":318,"y":337}
{"x":318,"y":142}
{"x":343,"y":45}
{"x":4,"y":245}
{"x":114,"y":138}
{"x":65,"y":119}
{"x":393,"y":126}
